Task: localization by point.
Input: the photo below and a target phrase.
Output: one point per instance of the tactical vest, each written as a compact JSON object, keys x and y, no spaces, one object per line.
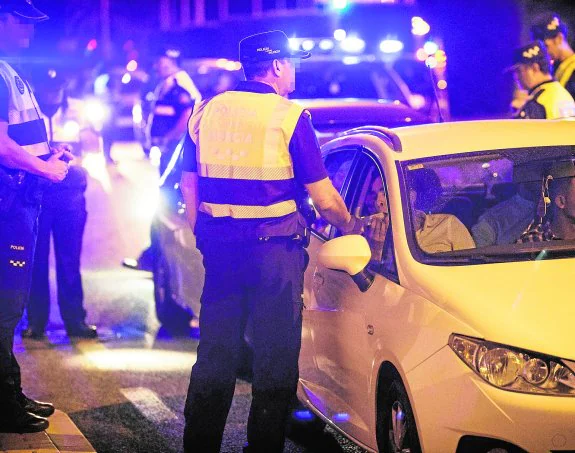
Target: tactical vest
{"x":242,"y":149}
{"x":556,"y":100}
{"x":565,"y":70}
{"x":25,"y":125}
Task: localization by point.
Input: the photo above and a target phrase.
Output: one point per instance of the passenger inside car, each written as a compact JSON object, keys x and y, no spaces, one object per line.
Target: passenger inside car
{"x":434,"y":232}
{"x":504,"y":222}
{"x":376,"y":218}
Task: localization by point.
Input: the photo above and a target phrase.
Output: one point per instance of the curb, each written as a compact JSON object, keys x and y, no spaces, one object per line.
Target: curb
{"x":61,"y":436}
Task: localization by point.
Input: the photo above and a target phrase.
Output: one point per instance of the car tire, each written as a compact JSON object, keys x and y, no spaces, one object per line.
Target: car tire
{"x":168,"y":312}
{"x":397,"y":431}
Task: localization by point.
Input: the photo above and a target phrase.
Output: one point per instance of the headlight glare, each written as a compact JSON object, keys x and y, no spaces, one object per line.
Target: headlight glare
{"x":514,"y":369}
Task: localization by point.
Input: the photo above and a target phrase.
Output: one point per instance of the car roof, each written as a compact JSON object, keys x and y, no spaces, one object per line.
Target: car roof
{"x":339,"y":114}
{"x":438,"y":139}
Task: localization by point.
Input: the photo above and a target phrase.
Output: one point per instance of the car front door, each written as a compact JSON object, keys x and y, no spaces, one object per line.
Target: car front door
{"x":341,"y":317}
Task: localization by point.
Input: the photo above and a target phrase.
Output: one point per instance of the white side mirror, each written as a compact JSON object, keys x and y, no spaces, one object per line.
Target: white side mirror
{"x":346,"y":253}
{"x":350,"y":254}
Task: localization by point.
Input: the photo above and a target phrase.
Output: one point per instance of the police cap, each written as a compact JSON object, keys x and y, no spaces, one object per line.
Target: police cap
{"x":534,"y":52}
{"x":269,"y":45}
{"x":23,"y":9}
{"x":548,"y":26}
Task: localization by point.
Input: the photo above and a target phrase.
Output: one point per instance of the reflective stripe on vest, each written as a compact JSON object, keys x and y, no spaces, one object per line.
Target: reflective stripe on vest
{"x":249,"y":212}
{"x":565,"y":70}
{"x":556,"y":99}
{"x":245,"y":136}
{"x":25,"y":126}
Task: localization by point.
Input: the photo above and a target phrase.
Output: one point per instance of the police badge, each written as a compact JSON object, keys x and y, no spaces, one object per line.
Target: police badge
{"x":19,"y":84}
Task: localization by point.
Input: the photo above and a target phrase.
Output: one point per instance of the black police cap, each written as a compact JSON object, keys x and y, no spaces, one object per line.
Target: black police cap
{"x":23,"y":9}
{"x":548,"y":26}
{"x":266,"y":46}
{"x":534,"y":52}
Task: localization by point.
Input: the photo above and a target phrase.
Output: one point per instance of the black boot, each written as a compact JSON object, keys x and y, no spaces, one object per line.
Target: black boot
{"x":35,"y":407}
{"x":13,"y":417}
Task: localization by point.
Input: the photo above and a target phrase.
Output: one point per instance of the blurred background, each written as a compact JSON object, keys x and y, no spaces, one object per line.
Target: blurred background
{"x":470,"y":43}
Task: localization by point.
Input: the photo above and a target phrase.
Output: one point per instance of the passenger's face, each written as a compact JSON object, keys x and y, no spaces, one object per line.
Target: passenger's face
{"x":566,"y":201}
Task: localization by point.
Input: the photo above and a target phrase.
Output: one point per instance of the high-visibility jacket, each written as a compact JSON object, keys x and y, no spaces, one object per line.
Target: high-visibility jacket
{"x":565,"y":70}
{"x":549,"y":100}
{"x":25,"y":124}
{"x":242,"y":148}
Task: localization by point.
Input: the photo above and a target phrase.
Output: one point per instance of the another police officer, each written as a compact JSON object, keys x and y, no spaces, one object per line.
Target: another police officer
{"x":547,"y":99}
{"x":550,"y":29}
{"x":63,"y":217}
{"x":25,"y":161}
{"x":249,"y":155}
{"x":174,"y":97}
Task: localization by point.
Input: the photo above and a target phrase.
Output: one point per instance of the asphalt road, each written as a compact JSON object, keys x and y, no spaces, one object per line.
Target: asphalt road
{"x":127,"y":390}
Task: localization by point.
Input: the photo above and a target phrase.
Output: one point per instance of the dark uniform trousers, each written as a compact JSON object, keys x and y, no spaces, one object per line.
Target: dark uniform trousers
{"x":261,"y":281}
{"x":18,"y":229}
{"x":63,"y":216}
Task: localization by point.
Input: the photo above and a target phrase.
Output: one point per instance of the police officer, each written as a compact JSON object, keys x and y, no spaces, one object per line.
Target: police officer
{"x":25,"y":162}
{"x":248,"y":156}
{"x":174,"y":98}
{"x":550,"y":29}
{"x":547,"y":99}
{"x":63,"y":217}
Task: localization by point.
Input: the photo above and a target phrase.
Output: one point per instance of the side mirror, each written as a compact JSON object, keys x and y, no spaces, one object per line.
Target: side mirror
{"x":350,"y":254}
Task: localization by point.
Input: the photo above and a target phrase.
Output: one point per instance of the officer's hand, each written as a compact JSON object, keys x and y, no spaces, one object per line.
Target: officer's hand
{"x":354,"y":226}
{"x":56,"y":168}
{"x":67,"y":155}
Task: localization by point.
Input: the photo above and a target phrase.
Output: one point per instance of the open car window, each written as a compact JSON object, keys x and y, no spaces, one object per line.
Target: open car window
{"x":491,"y":206}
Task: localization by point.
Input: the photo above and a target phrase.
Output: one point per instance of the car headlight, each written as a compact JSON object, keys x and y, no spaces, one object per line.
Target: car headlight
{"x":513,"y":369}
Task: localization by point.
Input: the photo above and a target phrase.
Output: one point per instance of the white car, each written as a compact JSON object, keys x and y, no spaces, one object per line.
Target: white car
{"x":449,"y":338}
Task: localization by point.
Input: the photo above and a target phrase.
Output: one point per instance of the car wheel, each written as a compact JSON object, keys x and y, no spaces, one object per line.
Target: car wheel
{"x":169,"y":313}
{"x":397,"y":431}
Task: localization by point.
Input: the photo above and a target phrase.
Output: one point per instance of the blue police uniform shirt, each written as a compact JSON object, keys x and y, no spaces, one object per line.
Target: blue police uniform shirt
{"x":308,"y":168}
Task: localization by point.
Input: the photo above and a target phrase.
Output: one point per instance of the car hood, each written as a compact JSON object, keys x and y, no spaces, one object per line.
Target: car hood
{"x":529,"y":305}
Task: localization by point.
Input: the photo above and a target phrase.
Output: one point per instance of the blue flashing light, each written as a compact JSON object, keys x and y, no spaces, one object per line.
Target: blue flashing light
{"x":308,"y":45}
{"x":391,"y":46}
{"x":431,"y":62}
{"x":341,"y":417}
{"x":339,"y":34}
{"x":430,"y":47}
{"x":303,"y":415}
{"x":352,"y":44}
{"x":339,"y":4}
{"x":293,"y":43}
{"x":326,"y":44}
{"x":349,"y":60}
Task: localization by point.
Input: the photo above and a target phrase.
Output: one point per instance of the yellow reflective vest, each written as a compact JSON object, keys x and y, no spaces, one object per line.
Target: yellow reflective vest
{"x":565,"y":70}
{"x":551,"y":99}
{"x":242,"y":140}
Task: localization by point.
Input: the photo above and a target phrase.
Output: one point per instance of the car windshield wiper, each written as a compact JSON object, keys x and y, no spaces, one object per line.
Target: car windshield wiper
{"x":534,"y":251}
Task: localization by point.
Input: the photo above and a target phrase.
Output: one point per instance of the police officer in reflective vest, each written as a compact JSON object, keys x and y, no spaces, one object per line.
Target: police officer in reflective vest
{"x":174,"y":98}
{"x":547,"y":99}
{"x":249,"y":155}
{"x":550,"y":29}
{"x":63,"y":217}
{"x":25,"y":163}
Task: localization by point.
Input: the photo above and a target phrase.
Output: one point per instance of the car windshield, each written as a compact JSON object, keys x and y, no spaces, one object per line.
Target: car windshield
{"x":493,"y":206}
{"x":336,"y":79}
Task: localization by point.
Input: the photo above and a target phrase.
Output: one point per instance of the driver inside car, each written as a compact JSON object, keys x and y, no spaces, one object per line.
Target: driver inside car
{"x":376,"y":222}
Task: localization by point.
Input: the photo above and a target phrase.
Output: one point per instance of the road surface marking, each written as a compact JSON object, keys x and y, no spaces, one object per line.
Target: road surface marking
{"x":149,"y":404}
